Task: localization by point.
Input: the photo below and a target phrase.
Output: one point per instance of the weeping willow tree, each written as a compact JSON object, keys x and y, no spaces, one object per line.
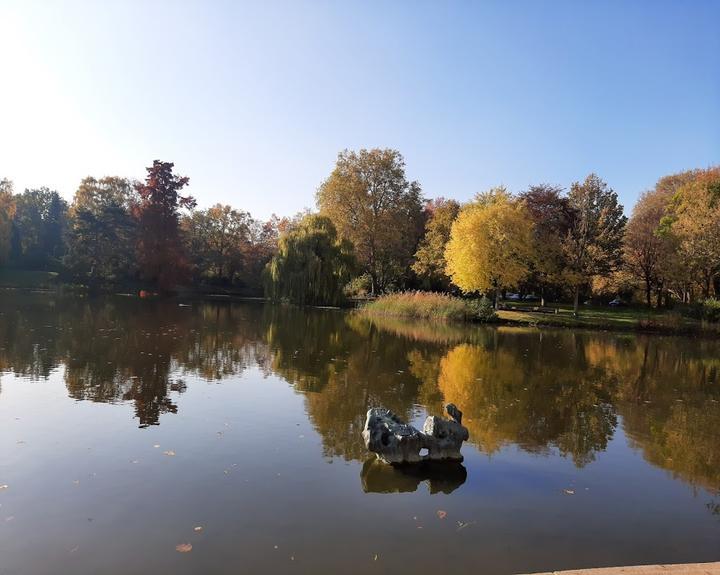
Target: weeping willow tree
{"x":312,"y":265}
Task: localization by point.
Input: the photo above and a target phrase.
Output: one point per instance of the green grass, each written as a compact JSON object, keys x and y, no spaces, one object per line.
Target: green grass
{"x":605,"y":317}
{"x":421,"y":305}
{"x":435,"y":306}
{"x":12,"y":278}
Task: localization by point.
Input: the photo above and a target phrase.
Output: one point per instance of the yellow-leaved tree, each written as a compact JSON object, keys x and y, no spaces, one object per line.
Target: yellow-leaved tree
{"x":491,"y":244}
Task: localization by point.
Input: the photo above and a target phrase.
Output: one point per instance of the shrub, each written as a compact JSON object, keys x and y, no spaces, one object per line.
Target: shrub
{"x":421,"y":305}
{"x":708,"y":310}
{"x":483,"y":310}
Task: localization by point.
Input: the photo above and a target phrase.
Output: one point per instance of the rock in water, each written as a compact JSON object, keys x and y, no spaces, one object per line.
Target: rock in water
{"x":396,"y":442}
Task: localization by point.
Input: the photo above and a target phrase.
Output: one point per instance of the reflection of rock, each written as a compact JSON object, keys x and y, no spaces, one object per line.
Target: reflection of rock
{"x":394,"y":441}
{"x":441,"y":477}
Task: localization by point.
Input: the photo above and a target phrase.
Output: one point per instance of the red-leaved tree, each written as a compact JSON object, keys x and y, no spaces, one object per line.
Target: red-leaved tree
{"x":161,"y":257}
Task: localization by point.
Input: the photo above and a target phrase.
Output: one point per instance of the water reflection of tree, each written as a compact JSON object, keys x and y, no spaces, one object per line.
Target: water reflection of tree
{"x":123,"y":349}
{"x":344,"y":371}
{"x":511,"y":399}
{"x":541,"y":390}
{"x":670,"y":402}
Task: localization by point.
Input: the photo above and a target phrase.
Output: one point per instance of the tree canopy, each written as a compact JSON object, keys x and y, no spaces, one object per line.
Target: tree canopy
{"x":430,"y":264}
{"x":491,"y":243}
{"x":593,"y":245}
{"x":161,"y":256}
{"x":374,"y":206}
{"x":312,"y":265}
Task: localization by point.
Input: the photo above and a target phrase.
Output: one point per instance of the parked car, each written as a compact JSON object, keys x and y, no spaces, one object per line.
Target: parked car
{"x":531,"y":297}
{"x":512,"y":297}
{"x":617,"y":302}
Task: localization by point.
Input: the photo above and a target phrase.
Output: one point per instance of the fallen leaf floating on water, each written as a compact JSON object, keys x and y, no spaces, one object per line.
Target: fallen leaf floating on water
{"x":156,"y":445}
{"x":3,"y":486}
{"x":183,"y":548}
{"x":169,"y":453}
{"x":569,"y":491}
{"x":441,"y":514}
{"x":197,"y":529}
{"x":464,"y":524}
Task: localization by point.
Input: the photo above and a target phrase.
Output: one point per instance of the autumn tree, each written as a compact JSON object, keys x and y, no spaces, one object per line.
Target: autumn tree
{"x":695,"y":222}
{"x":593,"y":245}
{"x":102,"y":231}
{"x":551,"y":214}
{"x":218,"y":239}
{"x":312,"y":264}
{"x":38,"y":228}
{"x":430,"y":264}
{"x":7,"y":214}
{"x":491,"y":244}
{"x":160,"y":251}
{"x":372,"y":204}
{"x":646,"y":250}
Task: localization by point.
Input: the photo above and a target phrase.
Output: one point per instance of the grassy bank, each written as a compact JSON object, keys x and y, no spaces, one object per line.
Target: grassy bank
{"x":423,"y":305}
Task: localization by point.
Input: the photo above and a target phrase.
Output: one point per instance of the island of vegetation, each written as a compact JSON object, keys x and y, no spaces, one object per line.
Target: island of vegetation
{"x":543,"y":256}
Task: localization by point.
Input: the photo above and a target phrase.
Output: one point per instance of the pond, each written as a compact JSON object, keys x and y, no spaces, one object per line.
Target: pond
{"x":131,"y":427}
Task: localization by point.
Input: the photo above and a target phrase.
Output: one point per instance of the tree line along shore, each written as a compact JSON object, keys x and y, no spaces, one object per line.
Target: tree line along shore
{"x":374,"y":235}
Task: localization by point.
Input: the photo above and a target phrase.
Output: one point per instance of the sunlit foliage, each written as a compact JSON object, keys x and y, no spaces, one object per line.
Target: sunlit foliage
{"x":312,"y":264}
{"x":374,"y":206}
{"x":491,"y":244}
{"x":161,"y":256}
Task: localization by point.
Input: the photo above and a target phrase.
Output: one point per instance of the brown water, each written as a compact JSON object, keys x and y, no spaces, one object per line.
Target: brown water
{"x":586,"y":449}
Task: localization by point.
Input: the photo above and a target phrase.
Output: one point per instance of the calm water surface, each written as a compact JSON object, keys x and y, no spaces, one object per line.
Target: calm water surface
{"x":126,"y":424}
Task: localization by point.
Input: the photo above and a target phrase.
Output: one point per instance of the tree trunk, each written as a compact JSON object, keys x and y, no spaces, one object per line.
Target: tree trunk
{"x":542,"y":296}
{"x":648,"y":292}
{"x":576,"y":306}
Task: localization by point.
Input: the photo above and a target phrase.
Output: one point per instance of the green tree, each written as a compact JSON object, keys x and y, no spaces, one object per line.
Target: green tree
{"x":312,"y":265}
{"x":372,"y":204}
{"x":38,"y":228}
{"x":593,"y":245}
{"x":160,"y":251}
{"x":430,"y":264}
{"x":491,"y":244}
{"x":102,"y":231}
{"x":218,"y":239}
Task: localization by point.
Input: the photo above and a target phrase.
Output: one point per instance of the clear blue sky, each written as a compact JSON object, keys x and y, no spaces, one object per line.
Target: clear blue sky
{"x":254,"y":100}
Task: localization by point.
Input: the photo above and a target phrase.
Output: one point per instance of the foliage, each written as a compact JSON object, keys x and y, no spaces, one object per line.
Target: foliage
{"x":7,"y":214}
{"x":593,"y":245}
{"x":217,"y":240}
{"x":312,"y":265}
{"x":483,"y":310}
{"x":708,"y":310}
{"x":38,"y":229}
{"x":645,"y":250}
{"x":372,"y":205}
{"x":491,"y":244}
{"x":695,"y":223}
{"x":551,"y":215}
{"x":421,"y":305}
{"x":430,"y":264}
{"x":102,"y":231}
{"x":160,"y":251}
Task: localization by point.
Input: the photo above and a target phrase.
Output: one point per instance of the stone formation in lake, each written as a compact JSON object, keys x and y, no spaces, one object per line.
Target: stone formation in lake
{"x":396,"y":442}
